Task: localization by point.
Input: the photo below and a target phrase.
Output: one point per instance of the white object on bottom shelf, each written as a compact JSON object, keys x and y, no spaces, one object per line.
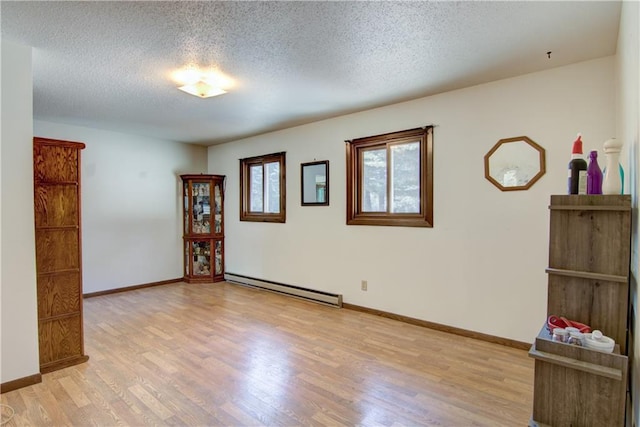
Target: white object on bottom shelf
{"x":597,"y":341}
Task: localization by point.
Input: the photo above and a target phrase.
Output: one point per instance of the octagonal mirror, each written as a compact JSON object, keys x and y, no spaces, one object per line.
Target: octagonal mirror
{"x":514,"y":163}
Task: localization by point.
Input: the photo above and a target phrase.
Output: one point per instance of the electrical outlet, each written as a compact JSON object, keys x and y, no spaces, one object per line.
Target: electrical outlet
{"x":363,"y":285}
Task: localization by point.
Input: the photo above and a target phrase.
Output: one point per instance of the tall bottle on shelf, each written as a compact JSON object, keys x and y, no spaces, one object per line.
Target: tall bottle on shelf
{"x":594,"y":174}
{"x":577,"y":169}
{"x":613,"y":174}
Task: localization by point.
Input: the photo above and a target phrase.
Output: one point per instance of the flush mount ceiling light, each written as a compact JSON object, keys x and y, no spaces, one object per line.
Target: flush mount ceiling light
{"x":202,"y":84}
{"x":202,"y":89}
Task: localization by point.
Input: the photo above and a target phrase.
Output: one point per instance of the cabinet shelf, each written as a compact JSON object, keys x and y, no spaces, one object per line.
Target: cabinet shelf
{"x":597,"y":202}
{"x":568,"y":362}
{"x":579,"y":358}
{"x":587,"y":275}
{"x":576,"y":385}
{"x":59,"y":272}
{"x":589,"y":208}
{"x":56,"y":183}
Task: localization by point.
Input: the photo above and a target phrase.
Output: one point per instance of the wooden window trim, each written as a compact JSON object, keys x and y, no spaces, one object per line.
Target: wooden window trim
{"x":245,"y":164}
{"x":355,"y":147}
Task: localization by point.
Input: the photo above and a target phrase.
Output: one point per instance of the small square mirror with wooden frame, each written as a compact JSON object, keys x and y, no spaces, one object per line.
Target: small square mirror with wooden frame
{"x":314,"y":183}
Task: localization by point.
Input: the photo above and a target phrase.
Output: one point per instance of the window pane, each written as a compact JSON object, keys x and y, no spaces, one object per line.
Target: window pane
{"x":255,"y":184}
{"x":397,"y":166}
{"x":405,"y":178}
{"x":272,"y":188}
{"x":264,"y":194}
{"x":374,"y":180}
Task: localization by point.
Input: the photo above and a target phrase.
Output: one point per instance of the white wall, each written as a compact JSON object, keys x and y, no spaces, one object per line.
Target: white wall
{"x":131,"y":207}
{"x":19,"y":326}
{"x":628,"y":130}
{"x":481,"y":267}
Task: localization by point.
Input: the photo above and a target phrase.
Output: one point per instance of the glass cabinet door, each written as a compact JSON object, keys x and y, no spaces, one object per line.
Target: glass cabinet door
{"x":187,"y":262}
{"x":201,"y":221}
{"x":185,"y":204}
{"x":201,"y":255}
{"x":217,"y":196}
{"x":218,"y":258}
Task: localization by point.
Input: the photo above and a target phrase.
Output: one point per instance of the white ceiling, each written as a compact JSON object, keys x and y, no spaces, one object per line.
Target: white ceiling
{"x":108,"y":65}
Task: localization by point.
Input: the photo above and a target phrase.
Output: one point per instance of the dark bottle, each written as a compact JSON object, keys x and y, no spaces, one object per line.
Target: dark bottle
{"x":594,"y":175}
{"x":577,"y":169}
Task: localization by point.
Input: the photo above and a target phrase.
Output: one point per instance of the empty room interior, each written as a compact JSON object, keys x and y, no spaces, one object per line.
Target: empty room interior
{"x":319,"y":213}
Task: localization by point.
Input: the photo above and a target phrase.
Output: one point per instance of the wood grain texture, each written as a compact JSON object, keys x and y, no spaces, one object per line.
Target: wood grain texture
{"x":55,"y":162}
{"x":599,"y":304}
{"x":587,"y":275}
{"x":227,"y":355}
{"x":56,"y":205}
{"x":59,"y":339}
{"x":588,"y":281}
{"x":57,"y":250}
{"x":58,"y":241}
{"x":591,"y":241}
{"x":590,"y":397}
{"x":58,"y":294}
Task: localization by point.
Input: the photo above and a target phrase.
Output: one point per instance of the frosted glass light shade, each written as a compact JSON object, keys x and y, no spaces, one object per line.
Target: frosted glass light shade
{"x":202,"y":89}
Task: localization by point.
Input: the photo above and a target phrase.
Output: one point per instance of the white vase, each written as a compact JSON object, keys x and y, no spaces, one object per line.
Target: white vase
{"x":612,"y":180}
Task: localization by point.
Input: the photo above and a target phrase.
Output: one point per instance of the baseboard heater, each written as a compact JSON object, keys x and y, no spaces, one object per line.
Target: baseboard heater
{"x":327,"y":298}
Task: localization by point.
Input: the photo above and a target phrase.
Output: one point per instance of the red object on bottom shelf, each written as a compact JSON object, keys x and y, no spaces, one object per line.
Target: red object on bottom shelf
{"x":562,"y":322}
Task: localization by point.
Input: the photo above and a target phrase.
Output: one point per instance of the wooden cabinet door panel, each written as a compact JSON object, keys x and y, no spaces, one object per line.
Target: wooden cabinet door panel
{"x":56,"y":250}
{"x":55,"y":163}
{"x":60,"y":339}
{"x":56,"y":205}
{"x":58,"y":294}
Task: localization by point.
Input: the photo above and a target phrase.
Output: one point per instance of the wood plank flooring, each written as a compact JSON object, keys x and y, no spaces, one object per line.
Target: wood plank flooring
{"x":225,"y":355}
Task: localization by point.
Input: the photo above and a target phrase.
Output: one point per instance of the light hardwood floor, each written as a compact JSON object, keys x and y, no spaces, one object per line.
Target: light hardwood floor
{"x":223,"y":354}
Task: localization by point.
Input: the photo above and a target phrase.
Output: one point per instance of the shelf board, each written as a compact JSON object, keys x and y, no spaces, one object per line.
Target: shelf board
{"x":68,"y":315}
{"x":588,"y":208}
{"x":56,"y":227}
{"x":568,"y":362}
{"x":48,"y":182}
{"x":54,"y":272}
{"x":587,"y":275}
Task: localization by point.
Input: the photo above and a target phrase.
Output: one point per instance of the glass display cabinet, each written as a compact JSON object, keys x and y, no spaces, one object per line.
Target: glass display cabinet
{"x":203,"y":238}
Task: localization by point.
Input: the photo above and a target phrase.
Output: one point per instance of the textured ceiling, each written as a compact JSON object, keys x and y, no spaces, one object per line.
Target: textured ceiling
{"x":108,"y":64}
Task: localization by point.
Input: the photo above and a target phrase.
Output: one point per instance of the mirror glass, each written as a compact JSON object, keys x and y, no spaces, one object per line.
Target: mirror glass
{"x":315,"y":183}
{"x":514,"y":163}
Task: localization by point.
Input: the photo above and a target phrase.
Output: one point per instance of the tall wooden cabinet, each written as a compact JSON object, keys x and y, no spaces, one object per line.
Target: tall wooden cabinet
{"x":203,"y":238}
{"x":56,"y":167}
{"x":588,"y":281}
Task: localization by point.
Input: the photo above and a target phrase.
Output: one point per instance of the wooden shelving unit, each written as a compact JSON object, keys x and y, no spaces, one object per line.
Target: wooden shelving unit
{"x":56,"y":189}
{"x":588,"y":281}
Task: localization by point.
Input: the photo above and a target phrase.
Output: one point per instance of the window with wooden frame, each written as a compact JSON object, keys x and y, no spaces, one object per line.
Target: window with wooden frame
{"x":390,"y":179}
{"x":262,"y":188}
